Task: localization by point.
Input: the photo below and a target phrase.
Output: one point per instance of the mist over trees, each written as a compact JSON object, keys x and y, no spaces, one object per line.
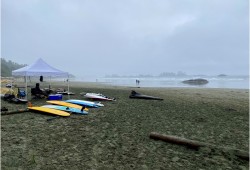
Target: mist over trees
{"x":163,"y":74}
{"x":8,"y":66}
{"x":171,"y":74}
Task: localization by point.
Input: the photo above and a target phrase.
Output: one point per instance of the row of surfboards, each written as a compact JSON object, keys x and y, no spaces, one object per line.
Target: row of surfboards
{"x":64,"y":108}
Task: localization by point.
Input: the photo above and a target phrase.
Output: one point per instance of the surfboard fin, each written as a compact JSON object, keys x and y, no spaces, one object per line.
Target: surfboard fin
{"x":83,"y":107}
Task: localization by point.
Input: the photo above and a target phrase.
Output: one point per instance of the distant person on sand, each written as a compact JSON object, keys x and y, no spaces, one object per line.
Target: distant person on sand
{"x":137,"y":82}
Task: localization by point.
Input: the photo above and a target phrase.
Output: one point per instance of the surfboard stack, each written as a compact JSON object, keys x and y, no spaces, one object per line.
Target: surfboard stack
{"x":49,"y":110}
{"x":64,"y":108}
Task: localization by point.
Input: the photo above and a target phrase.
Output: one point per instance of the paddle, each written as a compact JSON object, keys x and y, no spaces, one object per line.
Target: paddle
{"x":15,"y":112}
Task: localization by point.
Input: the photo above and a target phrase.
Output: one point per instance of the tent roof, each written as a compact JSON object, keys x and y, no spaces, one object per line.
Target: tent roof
{"x":39,"y":68}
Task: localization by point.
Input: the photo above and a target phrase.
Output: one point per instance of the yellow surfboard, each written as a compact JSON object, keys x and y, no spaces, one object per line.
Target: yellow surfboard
{"x":62,"y":103}
{"x":49,"y":110}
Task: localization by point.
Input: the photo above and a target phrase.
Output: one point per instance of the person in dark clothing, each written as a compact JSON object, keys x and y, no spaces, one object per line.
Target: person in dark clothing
{"x":37,"y":92}
{"x":41,"y":78}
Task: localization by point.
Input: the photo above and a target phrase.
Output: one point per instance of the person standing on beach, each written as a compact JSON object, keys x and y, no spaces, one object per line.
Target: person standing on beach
{"x":137,"y":82}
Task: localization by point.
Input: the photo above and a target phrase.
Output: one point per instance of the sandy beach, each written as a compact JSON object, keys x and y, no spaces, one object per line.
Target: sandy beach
{"x":116,"y":136}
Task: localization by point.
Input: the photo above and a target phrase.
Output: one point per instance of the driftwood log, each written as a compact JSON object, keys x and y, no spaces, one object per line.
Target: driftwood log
{"x":14,"y":112}
{"x":196,"y":144}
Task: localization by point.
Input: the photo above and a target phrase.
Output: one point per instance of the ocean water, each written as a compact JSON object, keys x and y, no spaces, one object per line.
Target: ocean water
{"x":234,"y":82}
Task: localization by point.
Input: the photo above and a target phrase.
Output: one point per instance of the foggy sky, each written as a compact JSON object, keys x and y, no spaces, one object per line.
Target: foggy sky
{"x":128,"y":37}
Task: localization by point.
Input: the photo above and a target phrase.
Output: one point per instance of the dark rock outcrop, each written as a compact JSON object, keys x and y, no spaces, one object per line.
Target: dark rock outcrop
{"x":195,"y":81}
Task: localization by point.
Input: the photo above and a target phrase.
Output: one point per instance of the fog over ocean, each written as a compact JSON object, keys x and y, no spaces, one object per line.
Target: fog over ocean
{"x":237,"y":82}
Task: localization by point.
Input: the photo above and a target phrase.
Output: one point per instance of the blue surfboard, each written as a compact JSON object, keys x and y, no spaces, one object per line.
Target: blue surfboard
{"x":85,"y":103}
{"x":67,"y":109}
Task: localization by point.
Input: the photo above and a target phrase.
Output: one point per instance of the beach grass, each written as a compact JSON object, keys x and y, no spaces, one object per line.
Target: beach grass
{"x":116,"y":136}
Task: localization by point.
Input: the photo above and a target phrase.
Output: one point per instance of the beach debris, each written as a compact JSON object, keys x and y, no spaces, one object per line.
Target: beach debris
{"x":196,"y":144}
{"x":18,"y":101}
{"x":195,"y":81}
{"x":9,"y":85}
{"x":8,"y":97}
{"x":231,"y":109}
{"x":135,"y":95}
{"x":97,"y":96}
{"x":12,"y":99}
{"x":29,"y":104}
{"x":64,"y":92}
{"x":4,"y":109}
{"x":15,"y":112}
{"x":60,"y":89}
{"x":53,"y":118}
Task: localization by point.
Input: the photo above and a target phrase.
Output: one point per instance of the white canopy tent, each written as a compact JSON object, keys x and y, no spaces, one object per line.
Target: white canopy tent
{"x":39,"y":68}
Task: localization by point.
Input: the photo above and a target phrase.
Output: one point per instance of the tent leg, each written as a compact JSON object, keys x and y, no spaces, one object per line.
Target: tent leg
{"x":26,"y":87}
{"x":49,"y":82}
{"x":12,"y":82}
{"x":68,"y":87}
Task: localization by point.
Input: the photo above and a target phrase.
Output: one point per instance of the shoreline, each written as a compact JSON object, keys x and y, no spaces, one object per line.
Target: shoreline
{"x":104,"y":84}
{"x":228,"y":84}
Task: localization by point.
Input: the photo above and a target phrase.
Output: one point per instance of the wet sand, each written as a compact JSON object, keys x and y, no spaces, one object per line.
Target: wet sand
{"x":116,"y":136}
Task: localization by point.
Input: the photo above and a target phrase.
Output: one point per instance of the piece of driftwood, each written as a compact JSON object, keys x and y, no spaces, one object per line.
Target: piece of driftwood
{"x":14,"y":112}
{"x":196,"y":144}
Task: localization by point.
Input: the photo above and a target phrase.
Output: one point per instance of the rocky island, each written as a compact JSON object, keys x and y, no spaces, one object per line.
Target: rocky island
{"x":195,"y":81}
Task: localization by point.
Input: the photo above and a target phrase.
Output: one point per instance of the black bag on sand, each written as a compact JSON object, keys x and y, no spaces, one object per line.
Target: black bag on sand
{"x":8,"y":97}
{"x":135,"y":95}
